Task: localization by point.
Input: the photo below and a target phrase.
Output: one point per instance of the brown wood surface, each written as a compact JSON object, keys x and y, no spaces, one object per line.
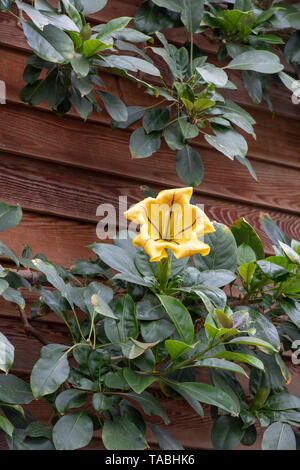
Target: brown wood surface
{"x":59,"y":169}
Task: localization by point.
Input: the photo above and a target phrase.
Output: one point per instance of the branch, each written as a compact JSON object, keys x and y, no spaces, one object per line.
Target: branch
{"x":29,"y":328}
{"x":244,"y":302}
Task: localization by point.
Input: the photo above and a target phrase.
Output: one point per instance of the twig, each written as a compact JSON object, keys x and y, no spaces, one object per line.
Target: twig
{"x":244,"y":302}
{"x":29,"y":328}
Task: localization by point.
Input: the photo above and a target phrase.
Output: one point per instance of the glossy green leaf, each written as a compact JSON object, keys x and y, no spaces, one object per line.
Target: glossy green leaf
{"x":92,"y":6}
{"x":150,"y":405}
{"x":244,"y":233}
{"x":14,"y":390}
{"x":143,"y":145}
{"x":6,"y":426}
{"x":122,"y":434}
{"x":180,"y":316}
{"x":157,"y":330}
{"x":73,"y":431}
{"x":5,"y":5}
{"x":50,"y":371}
{"x":165,"y":441}
{"x":7,"y":353}
{"x":252,"y":341}
{"x":189,"y":166}
{"x":111,"y":26}
{"x":114,"y":106}
{"x":223,"y":250}
{"x":156,"y":119}
{"x":226,"y":433}
{"x":176,"y":348}
{"x":10,"y":216}
{"x":51,"y":44}
{"x":241,"y":357}
{"x":102,"y":307}
{"x":211,"y":395}
{"x":212,"y":74}
{"x":259,"y":61}
{"x":191,"y":14}
{"x":279,"y":436}
{"x":136,"y":381}
{"x":228,"y":141}
{"x":70,"y":399}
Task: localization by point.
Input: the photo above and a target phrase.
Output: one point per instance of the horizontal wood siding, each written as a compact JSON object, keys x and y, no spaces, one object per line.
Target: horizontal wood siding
{"x":59,"y":169}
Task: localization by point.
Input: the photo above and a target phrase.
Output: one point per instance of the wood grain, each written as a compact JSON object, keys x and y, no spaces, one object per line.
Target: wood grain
{"x":96,"y":147}
{"x":74,"y":194}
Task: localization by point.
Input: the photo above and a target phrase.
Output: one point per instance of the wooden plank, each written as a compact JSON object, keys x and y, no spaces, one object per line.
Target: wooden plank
{"x":11,"y":36}
{"x":73,"y":193}
{"x":96,"y":147}
{"x":61,"y":240}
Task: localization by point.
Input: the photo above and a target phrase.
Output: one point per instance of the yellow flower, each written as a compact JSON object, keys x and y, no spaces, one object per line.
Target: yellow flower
{"x":170,"y":222}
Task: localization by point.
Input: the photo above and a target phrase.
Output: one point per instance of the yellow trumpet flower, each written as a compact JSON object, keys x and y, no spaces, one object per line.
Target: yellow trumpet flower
{"x":169,"y":221}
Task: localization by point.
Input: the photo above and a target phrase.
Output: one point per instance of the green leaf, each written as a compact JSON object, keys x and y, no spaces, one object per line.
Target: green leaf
{"x":212,"y":74}
{"x":279,"y":436}
{"x":272,"y":270}
{"x":53,"y":277}
{"x":93,"y":46}
{"x":118,"y":259}
{"x":273,"y":231}
{"x":42,"y":19}
{"x":134,"y":114}
{"x":140,"y":348}
{"x":50,"y":371}
{"x":212,"y":395}
{"x":191,"y":14}
{"x":114,"y":106}
{"x":176,"y":348}
{"x":10,"y":216}
{"x":112,"y":26}
{"x":19,"y":441}
{"x":245,"y":254}
{"x":136,"y":381}
{"x":125,"y":312}
{"x":134,"y":64}
{"x":247,"y":271}
{"x":251,"y":340}
{"x":151,"y":18}
{"x":14,"y":390}
{"x":5,"y":5}
{"x":80,"y":64}
{"x":189,"y":166}
{"x":174,"y":137}
{"x":216,"y":277}
{"x":165,"y":441}
{"x":244,"y":233}
{"x":150,"y":309}
{"x":241,"y":357}
{"x":143,"y":145}
{"x":6,"y":426}
{"x":92,"y":6}
{"x":38,"y":429}
{"x":228,"y":141}
{"x":282,"y":401}
{"x":70,"y":399}
{"x":223,"y":250}
{"x":180,"y":316}
{"x":292,"y":310}
{"x":150,"y":405}
{"x":51,"y":44}
{"x":259,"y":61}
{"x":290,"y":253}
{"x":156,"y":119}
{"x":102,"y":307}
{"x":220,"y":364}
{"x":226,"y":433}
{"x":5,"y":251}
{"x":73,"y":431}
{"x":7,"y":353}
{"x":157,"y":330}
{"x":174,"y":5}
{"x":122,"y":434}
{"x":102,"y":402}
